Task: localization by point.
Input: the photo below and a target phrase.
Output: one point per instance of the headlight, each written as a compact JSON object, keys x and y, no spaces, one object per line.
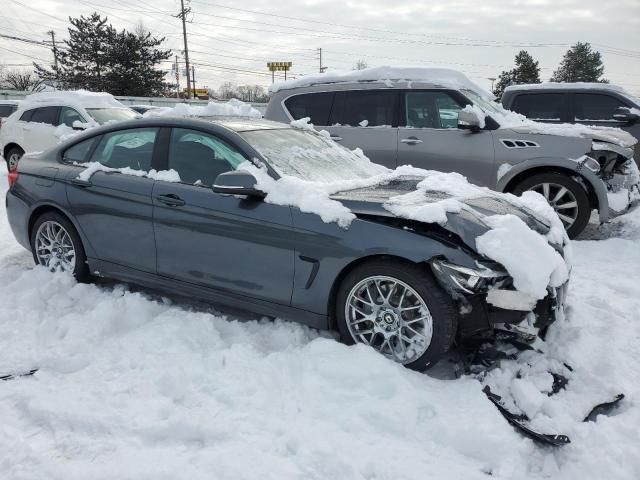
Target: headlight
{"x":591,"y":163}
{"x":465,"y":279}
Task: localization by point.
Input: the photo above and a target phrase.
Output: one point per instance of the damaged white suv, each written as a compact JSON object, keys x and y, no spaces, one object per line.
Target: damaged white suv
{"x":438,"y":119}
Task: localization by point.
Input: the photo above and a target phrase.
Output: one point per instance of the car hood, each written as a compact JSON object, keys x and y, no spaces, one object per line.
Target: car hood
{"x":468,"y":224}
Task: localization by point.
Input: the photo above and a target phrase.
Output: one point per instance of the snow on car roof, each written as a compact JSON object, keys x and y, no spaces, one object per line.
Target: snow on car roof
{"x":437,"y":76}
{"x":566,"y":86}
{"x":77,"y":98}
{"x":230,"y":108}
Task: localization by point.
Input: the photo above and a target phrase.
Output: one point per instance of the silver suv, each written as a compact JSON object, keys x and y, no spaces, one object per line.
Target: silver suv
{"x":451,"y":126}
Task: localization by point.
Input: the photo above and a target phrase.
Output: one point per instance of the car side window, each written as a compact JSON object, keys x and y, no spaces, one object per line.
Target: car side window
{"x":131,"y":148}
{"x":69,"y":115}
{"x":541,"y":106}
{"x":431,"y":110}
{"x":26,"y":116}
{"x":594,"y":106}
{"x":78,"y":152}
{"x":364,"y":108}
{"x":199,"y":157}
{"x":316,"y":106}
{"x":6,"y":110}
{"x":48,"y":115}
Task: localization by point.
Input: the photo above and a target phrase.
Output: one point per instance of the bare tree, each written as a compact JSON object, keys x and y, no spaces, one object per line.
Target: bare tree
{"x":21,"y":80}
{"x":360,"y":65}
{"x":227,"y":90}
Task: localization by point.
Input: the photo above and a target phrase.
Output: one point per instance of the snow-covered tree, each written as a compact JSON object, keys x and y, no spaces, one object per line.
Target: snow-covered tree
{"x":580,"y":64}
{"x":360,"y":65}
{"x":527,"y":70}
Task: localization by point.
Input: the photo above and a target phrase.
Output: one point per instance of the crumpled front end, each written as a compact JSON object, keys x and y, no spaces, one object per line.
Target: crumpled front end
{"x":617,"y":168}
{"x":487,"y":298}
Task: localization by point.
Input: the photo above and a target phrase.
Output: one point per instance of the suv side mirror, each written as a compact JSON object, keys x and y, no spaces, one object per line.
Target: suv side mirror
{"x":626,"y":116}
{"x":78,"y":125}
{"x":469,"y":120}
{"x":237,"y":182}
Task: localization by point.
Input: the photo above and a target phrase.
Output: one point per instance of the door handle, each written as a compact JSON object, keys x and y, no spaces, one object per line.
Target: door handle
{"x":78,"y":182}
{"x":411,"y":141}
{"x":336,"y":138}
{"x":171,"y":200}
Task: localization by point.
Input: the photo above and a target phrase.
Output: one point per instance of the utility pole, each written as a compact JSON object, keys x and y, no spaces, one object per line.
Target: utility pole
{"x":177,"y":68}
{"x":183,"y":16}
{"x":55,"y":50}
{"x":322,"y":69}
{"x":193,"y":79}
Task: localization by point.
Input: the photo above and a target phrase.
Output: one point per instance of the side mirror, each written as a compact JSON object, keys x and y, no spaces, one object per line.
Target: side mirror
{"x":469,"y":120}
{"x":77,"y":125}
{"x":238,"y":182}
{"x":626,"y":116}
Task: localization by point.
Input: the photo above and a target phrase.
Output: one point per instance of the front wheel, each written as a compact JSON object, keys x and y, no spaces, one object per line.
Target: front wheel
{"x":399,"y":310}
{"x":567,"y":197}
{"x":13,"y":157}
{"x":55,"y":245}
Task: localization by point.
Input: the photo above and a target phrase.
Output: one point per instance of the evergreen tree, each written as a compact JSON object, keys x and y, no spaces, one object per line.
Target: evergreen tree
{"x":527,"y":70}
{"x":99,"y":58}
{"x":580,"y":64}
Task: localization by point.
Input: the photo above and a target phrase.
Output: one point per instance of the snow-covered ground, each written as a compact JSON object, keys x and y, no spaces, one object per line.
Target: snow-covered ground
{"x":132,"y":385}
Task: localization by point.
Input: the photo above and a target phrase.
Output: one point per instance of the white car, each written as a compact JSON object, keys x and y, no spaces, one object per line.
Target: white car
{"x":43,"y":118}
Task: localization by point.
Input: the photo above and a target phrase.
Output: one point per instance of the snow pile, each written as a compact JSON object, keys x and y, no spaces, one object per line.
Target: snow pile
{"x":530,"y":260}
{"x":139,"y":386}
{"x":391,"y":77}
{"x":93,"y":167}
{"x":72,"y":98}
{"x":231,"y":108}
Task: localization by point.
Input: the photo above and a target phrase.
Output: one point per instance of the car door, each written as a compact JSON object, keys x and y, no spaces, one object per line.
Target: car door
{"x":114,"y":209}
{"x":429,"y":138}
{"x":226,"y":242}
{"x":40,"y":130}
{"x":600,"y":109}
{"x":367,"y":119}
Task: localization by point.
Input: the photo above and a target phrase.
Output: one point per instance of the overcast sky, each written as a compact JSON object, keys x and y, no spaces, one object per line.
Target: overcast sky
{"x":232,"y":41}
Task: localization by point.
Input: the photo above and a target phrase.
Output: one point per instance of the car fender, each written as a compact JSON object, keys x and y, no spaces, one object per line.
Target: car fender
{"x":588,"y":176}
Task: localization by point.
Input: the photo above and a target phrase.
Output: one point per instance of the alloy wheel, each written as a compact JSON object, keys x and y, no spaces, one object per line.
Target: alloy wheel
{"x":13,"y":160}
{"x":561,"y":199}
{"x":54,"y":247}
{"x":390,"y":316}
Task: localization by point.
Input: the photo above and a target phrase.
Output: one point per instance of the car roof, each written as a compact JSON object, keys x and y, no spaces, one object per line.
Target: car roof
{"x":566,"y":86}
{"x":10,"y":102}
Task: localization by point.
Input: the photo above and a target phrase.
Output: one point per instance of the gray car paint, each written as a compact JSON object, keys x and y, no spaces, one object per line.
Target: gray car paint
{"x":480,"y":156}
{"x":233,"y":251}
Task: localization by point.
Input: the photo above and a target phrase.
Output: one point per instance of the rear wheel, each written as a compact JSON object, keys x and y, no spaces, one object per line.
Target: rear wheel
{"x":55,"y":245}
{"x":13,"y":157}
{"x":567,"y":197}
{"x":399,"y":310}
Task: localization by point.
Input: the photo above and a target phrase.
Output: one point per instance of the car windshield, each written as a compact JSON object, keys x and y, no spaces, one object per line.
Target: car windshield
{"x":485,"y":104}
{"x":310,"y":156}
{"x":104,"y":115}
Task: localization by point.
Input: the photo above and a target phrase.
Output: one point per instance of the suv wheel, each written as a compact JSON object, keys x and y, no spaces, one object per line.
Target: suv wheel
{"x":567,"y":197}
{"x":399,"y":310}
{"x":13,"y":157}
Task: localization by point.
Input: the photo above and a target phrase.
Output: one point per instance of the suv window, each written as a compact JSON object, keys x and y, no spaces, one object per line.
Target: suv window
{"x":48,"y":115}
{"x":199,"y":157}
{"x":131,"y":148}
{"x":316,"y":106}
{"x":595,"y":106}
{"x":431,"y":110}
{"x":364,"y":108}
{"x":78,"y":152}
{"x":6,"y":110}
{"x":541,"y":106}
{"x":69,"y":115}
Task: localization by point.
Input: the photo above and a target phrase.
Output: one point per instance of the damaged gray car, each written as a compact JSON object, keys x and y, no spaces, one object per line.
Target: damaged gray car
{"x":172,"y":204}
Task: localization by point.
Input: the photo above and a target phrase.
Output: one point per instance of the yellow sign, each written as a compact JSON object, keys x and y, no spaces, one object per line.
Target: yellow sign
{"x":279,"y":66}
{"x":198,"y":92}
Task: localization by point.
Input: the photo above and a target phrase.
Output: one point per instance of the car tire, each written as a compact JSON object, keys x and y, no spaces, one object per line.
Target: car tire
{"x":570,"y":192}
{"x":438,"y":330}
{"x":54,"y":235}
{"x":13,"y":157}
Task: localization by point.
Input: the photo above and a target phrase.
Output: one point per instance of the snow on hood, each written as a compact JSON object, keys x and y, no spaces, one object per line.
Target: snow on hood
{"x":391,"y":76}
{"x":231,"y":108}
{"x":82,"y":98}
{"x":521,"y":124}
